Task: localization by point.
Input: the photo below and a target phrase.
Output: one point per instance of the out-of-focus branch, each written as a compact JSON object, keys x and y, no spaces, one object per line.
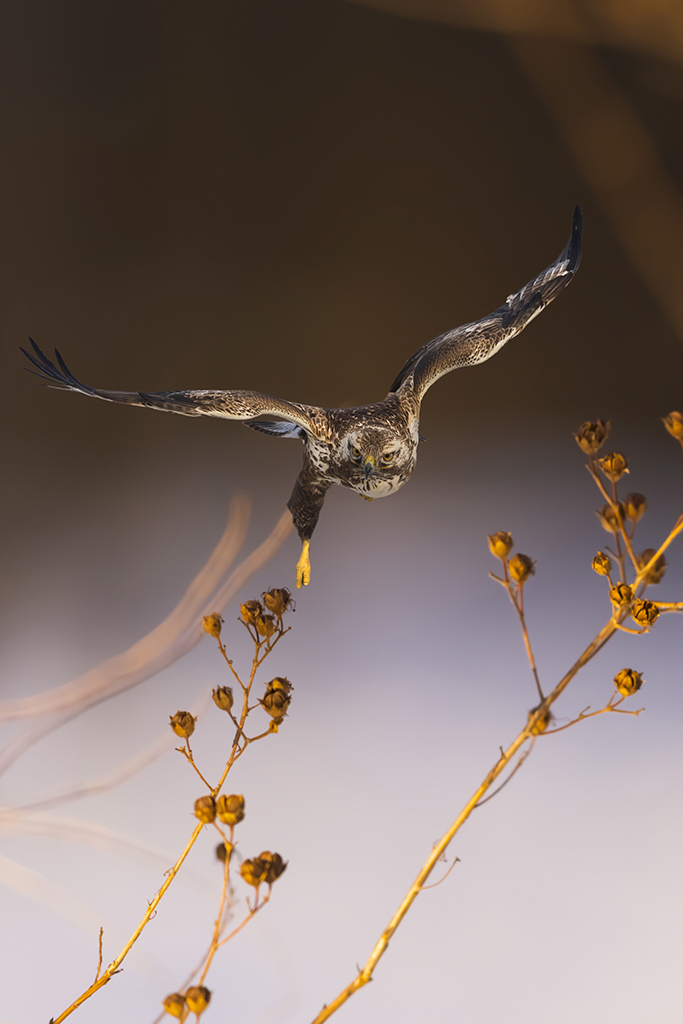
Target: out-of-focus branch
{"x":101,"y":783}
{"x":639,"y":26}
{"x":142,"y":659}
{"x":166,"y":644}
{"x":617,"y":157}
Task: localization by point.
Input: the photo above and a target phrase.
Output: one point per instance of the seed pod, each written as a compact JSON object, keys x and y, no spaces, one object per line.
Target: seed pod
{"x":265,"y":626}
{"x":275,"y":865}
{"x":276,"y":703}
{"x":655,"y":573}
{"x":254,"y":871}
{"x":500,"y":544}
{"x":174,"y":1004}
{"x":602,"y":564}
{"x":628,"y":681}
{"x":542,"y":723}
{"x":197,"y":999}
{"x":590,"y":437}
{"x":250,"y":612}
{"x":674,"y":424}
{"x":644,"y":612}
{"x":521,"y":568}
{"x":205,"y":809}
{"x":621,"y":595}
{"x":212,"y":624}
{"x":614,"y":465}
{"x":223,"y":698}
{"x":610,"y":520}
{"x":183,"y":724}
{"x":277,"y":600}
{"x":222,"y":851}
{"x":230,"y":809}
{"x":635,"y":506}
{"x":280,"y":683}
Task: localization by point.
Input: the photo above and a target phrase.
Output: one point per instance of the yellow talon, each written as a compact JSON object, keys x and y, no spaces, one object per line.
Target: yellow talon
{"x":303,"y":567}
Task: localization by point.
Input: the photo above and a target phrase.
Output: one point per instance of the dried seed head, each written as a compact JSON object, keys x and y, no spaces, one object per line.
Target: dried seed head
{"x":265,"y":626}
{"x":250,"y":612}
{"x":197,"y":998}
{"x":230,"y":809}
{"x":174,"y":1004}
{"x":205,"y":809}
{"x":543,"y":722}
{"x":628,"y":681}
{"x":276,"y":703}
{"x":656,"y":572}
{"x":635,"y":506}
{"x":183,"y":724}
{"x":674,"y":424}
{"x":275,"y":865}
{"x":280,"y":683}
{"x":602,"y":564}
{"x":644,"y":612}
{"x":590,"y":437}
{"x":254,"y":871}
{"x":222,"y":851}
{"x":614,"y":465}
{"x":277,"y":600}
{"x":500,"y":544}
{"x":212,"y":624}
{"x":609,"y":520}
{"x":223,"y":698}
{"x":521,"y":568}
{"x":621,"y":595}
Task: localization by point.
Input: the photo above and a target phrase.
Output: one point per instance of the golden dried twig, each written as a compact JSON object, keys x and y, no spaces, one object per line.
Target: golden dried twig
{"x":207,"y":808}
{"x":500,"y":545}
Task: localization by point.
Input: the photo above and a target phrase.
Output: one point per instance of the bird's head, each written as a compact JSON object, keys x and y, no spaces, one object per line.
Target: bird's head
{"x":378,"y":459}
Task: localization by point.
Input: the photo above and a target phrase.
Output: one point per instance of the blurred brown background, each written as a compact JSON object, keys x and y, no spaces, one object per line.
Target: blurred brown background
{"x":293,"y":196}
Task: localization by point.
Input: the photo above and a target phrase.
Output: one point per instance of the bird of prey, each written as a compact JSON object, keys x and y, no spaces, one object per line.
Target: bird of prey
{"x":370,"y":448}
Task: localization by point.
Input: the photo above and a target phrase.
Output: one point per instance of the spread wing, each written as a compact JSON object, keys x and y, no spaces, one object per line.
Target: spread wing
{"x":231,"y":405}
{"x":476,"y":342}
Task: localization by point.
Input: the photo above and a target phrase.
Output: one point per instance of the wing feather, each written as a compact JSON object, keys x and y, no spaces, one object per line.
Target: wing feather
{"x":475,"y":342}
{"x":231,"y":405}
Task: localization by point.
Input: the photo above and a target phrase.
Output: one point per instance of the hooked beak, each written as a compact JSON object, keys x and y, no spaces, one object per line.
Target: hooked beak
{"x":369,"y":466}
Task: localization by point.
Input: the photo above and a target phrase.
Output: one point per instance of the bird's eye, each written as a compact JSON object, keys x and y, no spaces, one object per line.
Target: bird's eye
{"x":388,"y":456}
{"x":355,"y":452}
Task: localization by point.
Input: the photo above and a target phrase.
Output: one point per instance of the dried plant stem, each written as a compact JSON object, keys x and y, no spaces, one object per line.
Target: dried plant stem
{"x":186,"y":751}
{"x":587,"y":713}
{"x":365,"y":974}
{"x":537,"y":715}
{"x":99,"y":956}
{"x":262,"y":648}
{"x":258,"y":660}
{"x":644,"y":570}
{"x":205,"y":962}
{"x":527,"y":643}
{"x":253,"y":911}
{"x":522,"y":759}
{"x":613,"y":502}
{"x":517,"y":599}
{"x":219,"y":916}
{"x":115,"y":965}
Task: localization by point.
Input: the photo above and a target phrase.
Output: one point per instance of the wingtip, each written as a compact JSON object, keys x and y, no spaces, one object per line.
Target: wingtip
{"x":574,"y":245}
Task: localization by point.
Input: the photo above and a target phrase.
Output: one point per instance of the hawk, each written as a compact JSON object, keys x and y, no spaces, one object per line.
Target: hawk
{"x":370,"y":448}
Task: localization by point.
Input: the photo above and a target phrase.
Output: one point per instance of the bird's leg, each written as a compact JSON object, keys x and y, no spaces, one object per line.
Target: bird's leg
{"x":305,"y":503}
{"x":303,"y":567}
